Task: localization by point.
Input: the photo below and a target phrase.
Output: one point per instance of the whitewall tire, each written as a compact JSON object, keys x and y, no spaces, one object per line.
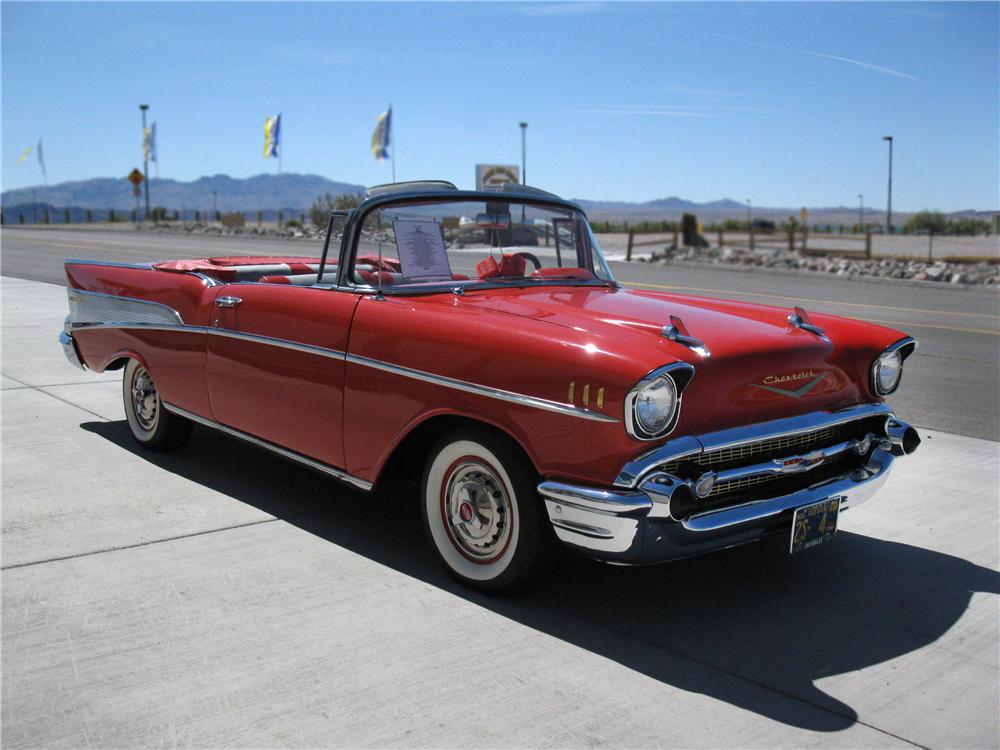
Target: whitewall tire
{"x":151,"y":425}
{"x":481,"y":511}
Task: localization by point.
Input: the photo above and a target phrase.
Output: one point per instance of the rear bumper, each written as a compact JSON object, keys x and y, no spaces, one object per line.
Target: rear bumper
{"x":69,"y":349}
{"x":634,"y":525}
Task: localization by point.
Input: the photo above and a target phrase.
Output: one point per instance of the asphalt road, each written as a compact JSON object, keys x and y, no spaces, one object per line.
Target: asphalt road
{"x":952,"y":383}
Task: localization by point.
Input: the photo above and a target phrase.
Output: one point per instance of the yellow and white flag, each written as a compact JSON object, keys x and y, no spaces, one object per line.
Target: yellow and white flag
{"x":382,"y":134}
{"x":272,"y":136}
{"x":24,"y":155}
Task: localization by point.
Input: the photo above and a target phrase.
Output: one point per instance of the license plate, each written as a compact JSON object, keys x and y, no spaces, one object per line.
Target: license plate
{"x":814,"y":524}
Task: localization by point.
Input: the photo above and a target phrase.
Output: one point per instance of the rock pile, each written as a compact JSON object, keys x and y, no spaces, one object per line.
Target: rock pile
{"x":190,"y":227}
{"x":890,"y":268}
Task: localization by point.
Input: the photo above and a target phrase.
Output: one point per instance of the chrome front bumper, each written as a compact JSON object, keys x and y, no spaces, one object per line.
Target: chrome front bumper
{"x":634,"y":524}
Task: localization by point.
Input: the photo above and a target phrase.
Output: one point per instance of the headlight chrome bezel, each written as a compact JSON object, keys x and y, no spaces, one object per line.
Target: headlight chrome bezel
{"x":902,"y":349}
{"x":679,"y":374}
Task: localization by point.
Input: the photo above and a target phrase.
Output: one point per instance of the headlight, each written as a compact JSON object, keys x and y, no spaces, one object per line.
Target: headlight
{"x":653,"y":405}
{"x":887,"y":369}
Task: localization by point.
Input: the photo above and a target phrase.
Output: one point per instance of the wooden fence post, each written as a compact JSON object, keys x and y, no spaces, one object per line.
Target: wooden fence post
{"x":675,"y":236}
{"x":68,"y":220}
{"x":48,"y":218}
{"x":751,"y":239}
{"x":20,"y":218}
{"x":721,"y":240}
{"x":90,"y":216}
{"x":631,"y":237}
{"x":791,"y":239}
{"x":868,"y":244}
{"x":111,"y":216}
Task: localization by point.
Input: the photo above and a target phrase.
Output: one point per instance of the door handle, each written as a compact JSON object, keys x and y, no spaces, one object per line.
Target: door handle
{"x":227,"y":301}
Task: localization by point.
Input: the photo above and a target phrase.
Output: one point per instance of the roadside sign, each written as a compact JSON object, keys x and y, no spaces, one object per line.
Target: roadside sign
{"x":136,"y":191}
{"x":135,"y":177}
{"x":495,"y":176}
{"x":804,"y":214}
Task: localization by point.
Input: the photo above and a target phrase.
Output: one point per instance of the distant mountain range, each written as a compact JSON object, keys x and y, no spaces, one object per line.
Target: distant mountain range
{"x":290,"y":192}
{"x":295,"y":193}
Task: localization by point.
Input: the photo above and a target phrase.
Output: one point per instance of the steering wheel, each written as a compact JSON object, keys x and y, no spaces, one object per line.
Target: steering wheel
{"x":530,"y":257}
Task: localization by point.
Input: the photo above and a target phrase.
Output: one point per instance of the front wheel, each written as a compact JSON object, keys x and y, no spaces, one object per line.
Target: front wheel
{"x":481,"y":511}
{"x":151,"y":425}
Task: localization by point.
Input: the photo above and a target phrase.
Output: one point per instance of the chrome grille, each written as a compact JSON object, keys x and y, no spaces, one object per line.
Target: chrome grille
{"x":776,"y":446}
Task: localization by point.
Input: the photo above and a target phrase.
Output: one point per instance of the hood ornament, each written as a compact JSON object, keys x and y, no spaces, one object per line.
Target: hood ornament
{"x":800,"y":319}
{"x":677,"y":331}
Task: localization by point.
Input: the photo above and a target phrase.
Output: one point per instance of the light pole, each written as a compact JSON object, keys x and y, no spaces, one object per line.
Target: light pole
{"x":888,"y":210}
{"x":215,"y":204}
{"x":524,"y":164}
{"x":861,"y":211}
{"x":145,"y":157}
{"x":748,"y":214}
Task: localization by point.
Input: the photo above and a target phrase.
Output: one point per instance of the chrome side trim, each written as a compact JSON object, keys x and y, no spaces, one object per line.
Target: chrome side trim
{"x":634,"y":471}
{"x":311,"y":463}
{"x":282,"y":343}
{"x":481,"y":390}
{"x":111,"y":264}
{"x":95,"y":307}
{"x":127,"y":313}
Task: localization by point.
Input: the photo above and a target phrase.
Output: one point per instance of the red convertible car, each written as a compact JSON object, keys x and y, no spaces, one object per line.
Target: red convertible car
{"x":481,"y":339}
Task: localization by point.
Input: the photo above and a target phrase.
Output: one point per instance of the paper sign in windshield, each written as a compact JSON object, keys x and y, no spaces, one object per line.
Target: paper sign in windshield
{"x":420,"y":245}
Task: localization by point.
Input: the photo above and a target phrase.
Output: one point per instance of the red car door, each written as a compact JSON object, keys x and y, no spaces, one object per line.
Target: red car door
{"x":276,"y":365}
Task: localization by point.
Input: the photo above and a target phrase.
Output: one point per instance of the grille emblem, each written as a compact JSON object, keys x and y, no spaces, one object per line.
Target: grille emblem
{"x":797,"y":393}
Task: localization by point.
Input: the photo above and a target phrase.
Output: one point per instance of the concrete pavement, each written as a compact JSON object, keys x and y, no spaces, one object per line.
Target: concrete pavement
{"x":221,"y":596}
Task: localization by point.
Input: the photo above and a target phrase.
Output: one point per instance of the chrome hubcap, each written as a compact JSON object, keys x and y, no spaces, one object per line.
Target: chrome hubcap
{"x":477,"y":511}
{"x":145,"y":401}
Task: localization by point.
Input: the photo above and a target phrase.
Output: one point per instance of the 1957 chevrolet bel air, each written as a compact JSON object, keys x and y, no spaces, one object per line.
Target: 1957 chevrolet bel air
{"x":480,"y":337}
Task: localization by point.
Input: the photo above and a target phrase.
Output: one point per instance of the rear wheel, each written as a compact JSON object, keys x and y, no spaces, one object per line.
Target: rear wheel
{"x":151,"y":425}
{"x":481,"y":511}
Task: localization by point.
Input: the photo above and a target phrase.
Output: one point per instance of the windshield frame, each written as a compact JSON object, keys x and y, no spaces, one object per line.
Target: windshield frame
{"x":361,"y":212}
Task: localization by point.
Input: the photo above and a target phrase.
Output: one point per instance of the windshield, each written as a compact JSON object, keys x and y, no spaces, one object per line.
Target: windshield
{"x":470,"y":243}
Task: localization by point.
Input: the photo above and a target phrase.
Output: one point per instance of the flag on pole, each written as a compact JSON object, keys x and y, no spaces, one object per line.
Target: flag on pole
{"x":149,"y":143}
{"x":272,"y":136}
{"x":25,"y":154}
{"x":381,"y":136}
{"x":41,"y":161}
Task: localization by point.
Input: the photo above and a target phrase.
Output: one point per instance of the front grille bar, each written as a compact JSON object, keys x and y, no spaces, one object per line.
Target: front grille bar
{"x":743,"y":442}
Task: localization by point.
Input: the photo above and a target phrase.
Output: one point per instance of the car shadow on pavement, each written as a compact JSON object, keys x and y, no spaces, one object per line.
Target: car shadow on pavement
{"x":750,"y":626}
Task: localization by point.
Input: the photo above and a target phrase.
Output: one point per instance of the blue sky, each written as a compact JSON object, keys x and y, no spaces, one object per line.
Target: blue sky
{"x":782,"y":103}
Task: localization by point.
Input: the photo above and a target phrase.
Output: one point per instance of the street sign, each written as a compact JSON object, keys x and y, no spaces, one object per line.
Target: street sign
{"x":804,"y":214}
{"x":135,"y":177}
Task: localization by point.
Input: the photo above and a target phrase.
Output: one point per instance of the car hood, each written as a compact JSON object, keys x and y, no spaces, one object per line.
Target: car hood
{"x":758,"y":362}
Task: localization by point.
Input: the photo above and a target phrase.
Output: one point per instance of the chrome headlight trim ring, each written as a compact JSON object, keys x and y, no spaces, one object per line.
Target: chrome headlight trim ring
{"x":681,"y":374}
{"x":904,"y":348}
